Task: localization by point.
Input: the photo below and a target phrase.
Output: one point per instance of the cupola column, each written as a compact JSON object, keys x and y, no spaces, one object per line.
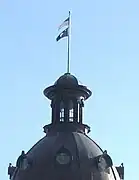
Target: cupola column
{"x":66,"y":110}
{"x":53,"y":110}
{"x":56,"y":111}
{"x":81,"y":105}
{"x":75,"y":111}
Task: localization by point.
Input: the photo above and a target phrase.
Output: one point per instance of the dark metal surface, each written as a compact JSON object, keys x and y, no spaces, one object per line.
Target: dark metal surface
{"x":66,"y":152}
{"x":82,"y":150}
{"x":67,"y":80}
{"x":42,"y":156}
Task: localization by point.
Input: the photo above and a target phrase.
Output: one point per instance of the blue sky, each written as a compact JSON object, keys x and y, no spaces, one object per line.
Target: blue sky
{"x":104,"y":56}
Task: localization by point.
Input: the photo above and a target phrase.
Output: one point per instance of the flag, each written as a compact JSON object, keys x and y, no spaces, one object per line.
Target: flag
{"x":63,"y":34}
{"x":65,"y":23}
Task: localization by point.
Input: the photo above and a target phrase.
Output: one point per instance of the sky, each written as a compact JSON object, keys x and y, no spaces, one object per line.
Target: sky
{"x":104,"y":56}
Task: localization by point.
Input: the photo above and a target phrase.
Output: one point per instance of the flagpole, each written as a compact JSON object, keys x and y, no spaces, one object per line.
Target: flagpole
{"x":68,"y":63}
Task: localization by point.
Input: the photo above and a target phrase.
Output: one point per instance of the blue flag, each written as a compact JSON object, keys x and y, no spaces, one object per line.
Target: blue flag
{"x":63,"y":34}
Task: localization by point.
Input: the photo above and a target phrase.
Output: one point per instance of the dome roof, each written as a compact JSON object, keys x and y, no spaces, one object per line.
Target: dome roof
{"x":67,"y":84}
{"x":67,"y":80}
{"x":42,"y":157}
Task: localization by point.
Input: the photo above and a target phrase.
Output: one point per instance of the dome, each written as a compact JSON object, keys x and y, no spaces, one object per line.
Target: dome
{"x":67,"y":84}
{"x":67,"y":80}
{"x":62,"y":156}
